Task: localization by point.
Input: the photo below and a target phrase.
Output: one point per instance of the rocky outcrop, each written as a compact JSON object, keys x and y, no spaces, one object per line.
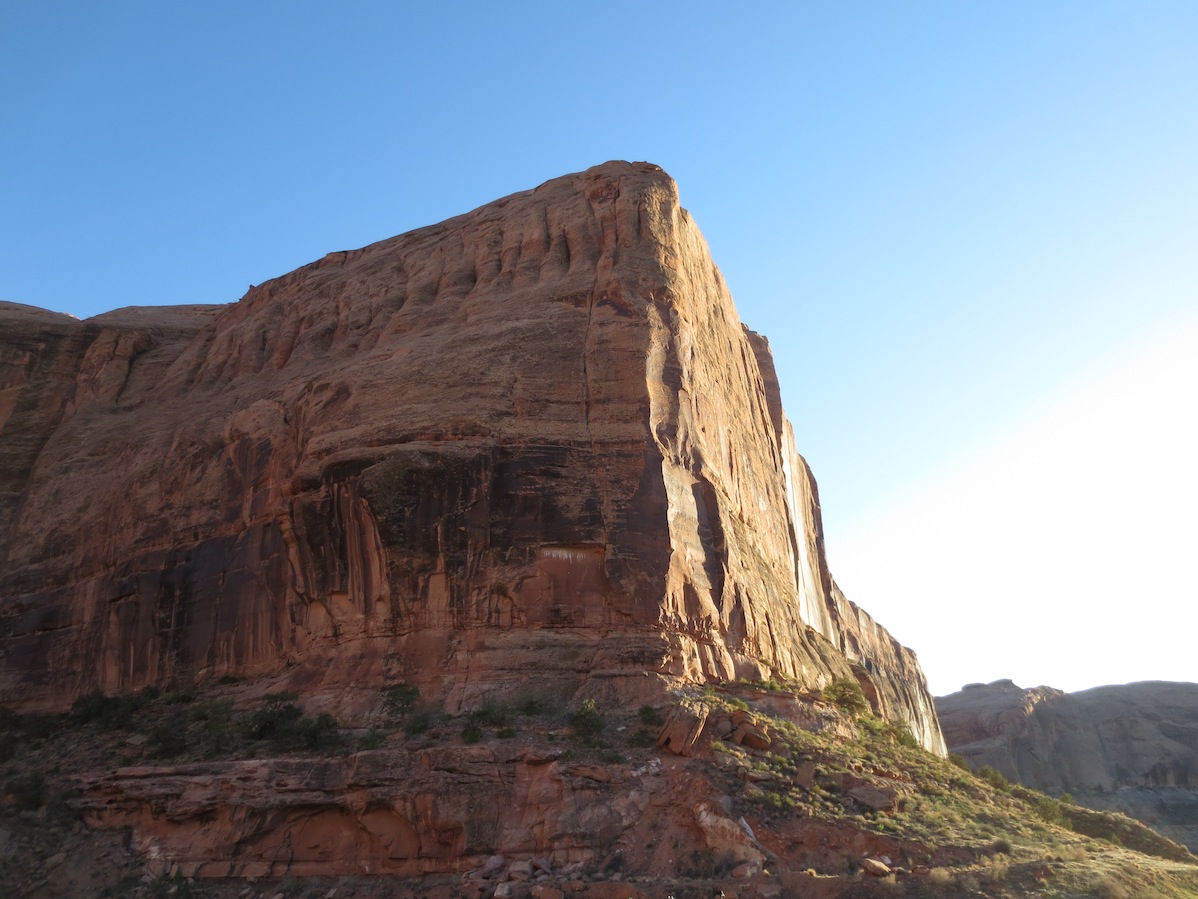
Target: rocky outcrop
{"x":381,"y":812}
{"x":1131,"y":748}
{"x":530,"y":442}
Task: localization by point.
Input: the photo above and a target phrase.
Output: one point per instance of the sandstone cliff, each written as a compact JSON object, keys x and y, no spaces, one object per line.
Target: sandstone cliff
{"x":1132,"y":748}
{"x":531,"y":443}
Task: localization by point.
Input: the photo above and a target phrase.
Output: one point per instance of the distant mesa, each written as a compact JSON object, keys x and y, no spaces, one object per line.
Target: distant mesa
{"x":1131,"y":748}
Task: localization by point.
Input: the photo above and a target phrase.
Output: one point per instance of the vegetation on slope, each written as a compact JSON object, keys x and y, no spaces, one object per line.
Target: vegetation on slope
{"x":822,"y":786}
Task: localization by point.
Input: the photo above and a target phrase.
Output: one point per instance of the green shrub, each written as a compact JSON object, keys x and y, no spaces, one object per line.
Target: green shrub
{"x":183,"y":695}
{"x":372,"y":739}
{"x":418,"y":723}
{"x":1049,"y":810}
{"x":109,"y":712}
{"x":399,"y":698}
{"x":902,"y":735}
{"x":170,"y":738}
{"x":532,"y":706}
{"x":282,"y":724}
{"x":588,"y":721}
{"x":319,"y":734}
{"x":847,"y":695}
{"x":648,"y":715}
{"x":492,"y":716}
{"x":642,"y":738}
{"x":218,"y":732}
{"x":994,"y":777}
{"x":278,"y":716}
{"x":472,"y":732}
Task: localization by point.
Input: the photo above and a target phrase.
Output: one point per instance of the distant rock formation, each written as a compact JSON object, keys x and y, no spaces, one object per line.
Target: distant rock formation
{"x":1131,"y":748}
{"x":532,"y":443}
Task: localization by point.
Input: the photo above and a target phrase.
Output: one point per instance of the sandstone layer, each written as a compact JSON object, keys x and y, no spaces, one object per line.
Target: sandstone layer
{"x":530,"y":445}
{"x":1131,"y":748}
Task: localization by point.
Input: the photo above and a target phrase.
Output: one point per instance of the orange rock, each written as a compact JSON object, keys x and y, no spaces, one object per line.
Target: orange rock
{"x":874,"y":798}
{"x":531,"y":448}
{"x":539,"y":425}
{"x":752,"y":736}
{"x":875,"y":868}
{"x":683,"y":728}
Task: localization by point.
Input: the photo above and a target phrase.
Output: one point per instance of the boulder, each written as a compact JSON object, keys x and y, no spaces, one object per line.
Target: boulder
{"x":875,"y":868}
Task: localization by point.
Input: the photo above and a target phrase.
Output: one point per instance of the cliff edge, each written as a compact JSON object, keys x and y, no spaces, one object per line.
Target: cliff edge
{"x":530,"y":443}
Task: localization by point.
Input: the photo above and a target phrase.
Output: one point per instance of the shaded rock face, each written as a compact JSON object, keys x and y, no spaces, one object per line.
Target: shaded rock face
{"x":382,"y":812}
{"x":1131,"y":748}
{"x":529,"y":444}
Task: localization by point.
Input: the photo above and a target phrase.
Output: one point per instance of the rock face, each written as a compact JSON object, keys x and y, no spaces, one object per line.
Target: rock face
{"x":529,"y":444}
{"x":1131,"y":748}
{"x":381,"y":812}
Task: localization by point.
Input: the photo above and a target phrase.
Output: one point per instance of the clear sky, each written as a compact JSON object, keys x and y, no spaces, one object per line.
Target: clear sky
{"x":970,"y":231}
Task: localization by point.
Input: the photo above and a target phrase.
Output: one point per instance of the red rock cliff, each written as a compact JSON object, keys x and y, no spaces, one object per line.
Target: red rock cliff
{"x":529,"y":443}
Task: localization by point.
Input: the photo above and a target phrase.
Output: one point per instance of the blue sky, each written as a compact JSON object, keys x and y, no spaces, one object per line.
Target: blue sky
{"x":952,"y":220}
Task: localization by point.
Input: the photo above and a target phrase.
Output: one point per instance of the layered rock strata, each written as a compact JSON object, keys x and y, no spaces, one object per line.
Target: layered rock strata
{"x":1130,"y":748}
{"x":531,"y":446}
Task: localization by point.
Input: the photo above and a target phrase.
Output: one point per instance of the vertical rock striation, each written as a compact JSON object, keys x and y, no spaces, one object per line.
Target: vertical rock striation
{"x":529,"y":446}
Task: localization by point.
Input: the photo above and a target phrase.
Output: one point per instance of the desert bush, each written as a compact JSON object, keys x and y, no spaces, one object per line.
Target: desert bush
{"x":418,"y":723}
{"x":642,"y":738}
{"x":282,"y":724}
{"x":398,"y":699}
{"x":997,"y":867}
{"x":940,"y":876}
{"x":169,"y":738}
{"x":319,"y":734}
{"x":277,"y":716}
{"x":1107,"y":887}
{"x":372,"y":739}
{"x":1050,"y":811}
{"x":492,"y":716}
{"x":994,"y":777}
{"x":588,"y":721}
{"x":472,"y":732}
{"x":532,"y":706}
{"x":847,"y":695}
{"x":708,"y":864}
{"x":903,"y":735}
{"x":108,"y":712}
{"x":648,"y":715}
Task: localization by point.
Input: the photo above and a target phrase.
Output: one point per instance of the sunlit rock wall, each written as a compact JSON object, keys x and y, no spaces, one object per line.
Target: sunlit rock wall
{"x":530,"y":447}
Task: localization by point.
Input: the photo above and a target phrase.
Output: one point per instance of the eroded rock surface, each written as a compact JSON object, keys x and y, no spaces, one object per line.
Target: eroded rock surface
{"x":530,"y":442}
{"x":1130,"y":748}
